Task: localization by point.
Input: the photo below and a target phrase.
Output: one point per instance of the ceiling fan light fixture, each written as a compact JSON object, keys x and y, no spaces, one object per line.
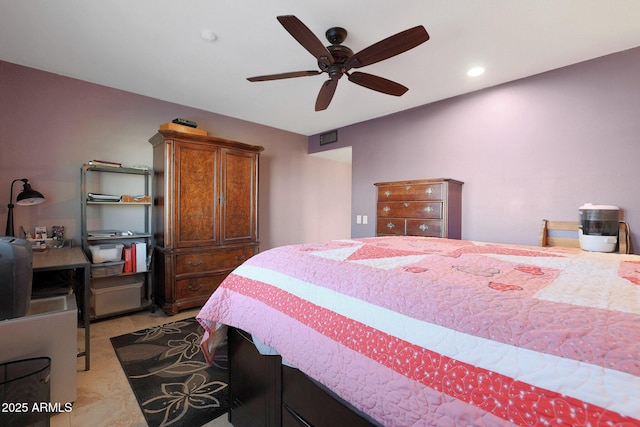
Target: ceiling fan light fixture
{"x":475,"y":71}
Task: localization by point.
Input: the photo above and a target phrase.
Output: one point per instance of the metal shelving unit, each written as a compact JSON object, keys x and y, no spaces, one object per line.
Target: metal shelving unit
{"x":117,"y":222}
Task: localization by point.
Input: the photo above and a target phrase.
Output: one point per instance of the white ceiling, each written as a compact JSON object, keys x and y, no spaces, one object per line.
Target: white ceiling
{"x":155,"y":48}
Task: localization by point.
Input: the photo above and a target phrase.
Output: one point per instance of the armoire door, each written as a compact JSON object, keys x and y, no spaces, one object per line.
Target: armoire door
{"x":239,"y":196}
{"x":196,"y":190}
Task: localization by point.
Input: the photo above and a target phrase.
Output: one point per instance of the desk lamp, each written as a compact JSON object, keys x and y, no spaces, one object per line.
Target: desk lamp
{"x":28,"y":196}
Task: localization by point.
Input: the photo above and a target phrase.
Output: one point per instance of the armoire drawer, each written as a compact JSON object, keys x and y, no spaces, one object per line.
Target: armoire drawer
{"x":198,"y":286}
{"x":430,"y":191}
{"x":199,"y":262}
{"x":411,"y":209}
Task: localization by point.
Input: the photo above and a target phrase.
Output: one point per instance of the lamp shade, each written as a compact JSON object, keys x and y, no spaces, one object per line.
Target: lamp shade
{"x":29,"y":196}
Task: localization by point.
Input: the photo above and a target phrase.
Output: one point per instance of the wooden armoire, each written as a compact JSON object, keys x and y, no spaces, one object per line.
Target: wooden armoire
{"x":205,"y":214}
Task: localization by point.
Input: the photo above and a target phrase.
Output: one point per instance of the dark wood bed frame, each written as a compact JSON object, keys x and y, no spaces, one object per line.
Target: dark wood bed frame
{"x":266,"y":393}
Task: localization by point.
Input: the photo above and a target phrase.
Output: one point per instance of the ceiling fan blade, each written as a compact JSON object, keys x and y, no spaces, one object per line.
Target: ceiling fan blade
{"x":306,"y":38}
{"x":284,"y":75}
{"x":326,"y":94}
{"x":391,"y":46}
{"x":376,"y":83}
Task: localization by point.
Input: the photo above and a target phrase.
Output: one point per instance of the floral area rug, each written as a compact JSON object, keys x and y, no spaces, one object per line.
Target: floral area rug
{"x":169,"y":376}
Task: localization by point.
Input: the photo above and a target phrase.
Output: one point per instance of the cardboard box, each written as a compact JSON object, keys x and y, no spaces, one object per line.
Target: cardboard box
{"x":181,"y":128}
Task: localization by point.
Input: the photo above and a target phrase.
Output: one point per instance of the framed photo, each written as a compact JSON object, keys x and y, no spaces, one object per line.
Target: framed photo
{"x":41,"y":233}
{"x":57,"y":232}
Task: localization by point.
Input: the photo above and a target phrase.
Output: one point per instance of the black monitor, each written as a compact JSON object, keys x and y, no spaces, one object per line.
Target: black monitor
{"x":16,"y":268}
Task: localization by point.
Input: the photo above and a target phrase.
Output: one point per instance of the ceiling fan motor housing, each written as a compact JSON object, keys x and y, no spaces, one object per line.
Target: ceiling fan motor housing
{"x":340,"y":55}
{"x":336,"y":36}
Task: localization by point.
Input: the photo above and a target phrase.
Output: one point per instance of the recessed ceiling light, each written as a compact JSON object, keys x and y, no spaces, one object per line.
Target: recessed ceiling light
{"x":475,"y":71}
{"x":208,"y":35}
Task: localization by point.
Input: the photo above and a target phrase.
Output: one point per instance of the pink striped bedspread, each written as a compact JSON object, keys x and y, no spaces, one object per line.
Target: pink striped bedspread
{"x":417,"y":331}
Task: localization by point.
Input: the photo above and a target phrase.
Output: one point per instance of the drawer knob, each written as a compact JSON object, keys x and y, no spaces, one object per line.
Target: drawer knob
{"x":192,"y":264}
{"x":387,"y":193}
{"x":195,"y":288}
{"x":428,"y":209}
{"x":406,"y":204}
{"x":390,"y":225}
{"x":428,"y":190}
{"x":386,"y":209}
{"x":424,"y":227}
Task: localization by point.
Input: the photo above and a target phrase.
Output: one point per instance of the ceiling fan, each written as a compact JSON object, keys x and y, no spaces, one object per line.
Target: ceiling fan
{"x":337,"y":60}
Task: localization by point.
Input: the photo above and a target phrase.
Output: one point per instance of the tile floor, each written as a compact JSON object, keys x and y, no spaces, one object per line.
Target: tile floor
{"x":104,"y":395}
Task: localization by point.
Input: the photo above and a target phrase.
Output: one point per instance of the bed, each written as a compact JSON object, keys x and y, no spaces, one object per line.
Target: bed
{"x":419,"y":331}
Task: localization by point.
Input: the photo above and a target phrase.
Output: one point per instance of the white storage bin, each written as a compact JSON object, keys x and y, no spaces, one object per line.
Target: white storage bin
{"x":106,"y":252}
{"x":116,"y":294}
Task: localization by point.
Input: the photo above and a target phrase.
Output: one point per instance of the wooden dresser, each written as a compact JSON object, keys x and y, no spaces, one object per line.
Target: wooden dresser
{"x":426,"y":207}
{"x":205,"y":214}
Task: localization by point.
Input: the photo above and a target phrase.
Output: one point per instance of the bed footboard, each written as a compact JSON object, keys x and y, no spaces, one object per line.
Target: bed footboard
{"x":264,"y":393}
{"x":306,"y":403}
{"x":255,"y":383}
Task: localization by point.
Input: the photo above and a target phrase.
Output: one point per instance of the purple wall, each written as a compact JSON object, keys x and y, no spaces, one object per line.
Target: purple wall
{"x":50,"y":125}
{"x":527,"y":150}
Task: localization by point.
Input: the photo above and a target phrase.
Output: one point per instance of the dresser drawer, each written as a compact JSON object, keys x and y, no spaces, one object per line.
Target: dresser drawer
{"x":198,"y":286}
{"x":431,"y":210}
{"x":410,"y":192}
{"x":199,"y":262}
{"x":390,"y":226}
{"x":425,"y":227}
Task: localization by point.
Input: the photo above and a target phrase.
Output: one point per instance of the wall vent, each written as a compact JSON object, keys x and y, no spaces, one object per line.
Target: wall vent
{"x":329,"y":137}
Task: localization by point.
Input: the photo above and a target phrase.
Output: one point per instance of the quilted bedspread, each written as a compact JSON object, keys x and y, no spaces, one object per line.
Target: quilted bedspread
{"x":418,"y":331}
